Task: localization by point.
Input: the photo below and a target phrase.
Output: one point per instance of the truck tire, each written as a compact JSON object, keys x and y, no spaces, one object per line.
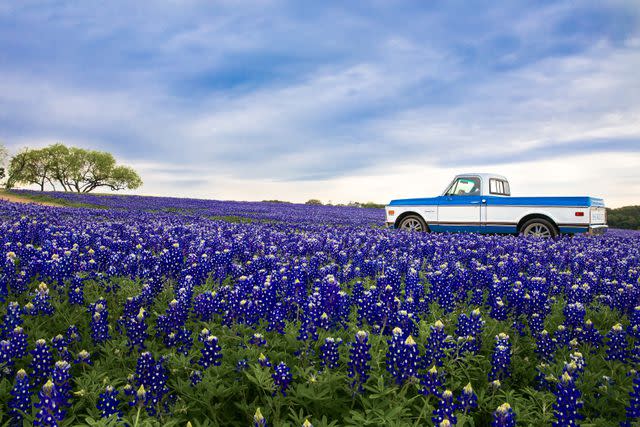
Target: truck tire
{"x":413,"y":223}
{"x":538,"y":227}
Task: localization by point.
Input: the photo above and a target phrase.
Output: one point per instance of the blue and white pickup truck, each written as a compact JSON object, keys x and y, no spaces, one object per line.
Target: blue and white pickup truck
{"x":482,"y":203}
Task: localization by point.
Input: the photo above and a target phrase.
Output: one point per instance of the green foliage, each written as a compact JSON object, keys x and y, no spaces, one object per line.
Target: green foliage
{"x":313,"y":202}
{"x":229,"y":396}
{"x":3,"y":157}
{"x":624,"y":217}
{"x":71,"y":168}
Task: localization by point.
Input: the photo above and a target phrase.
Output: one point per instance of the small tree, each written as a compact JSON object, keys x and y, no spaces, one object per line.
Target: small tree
{"x":75,"y":169}
{"x":30,"y":167}
{"x":314,"y":202}
{"x":3,"y":158}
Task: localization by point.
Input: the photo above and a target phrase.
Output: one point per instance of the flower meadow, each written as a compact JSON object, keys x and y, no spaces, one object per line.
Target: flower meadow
{"x":159,"y":311}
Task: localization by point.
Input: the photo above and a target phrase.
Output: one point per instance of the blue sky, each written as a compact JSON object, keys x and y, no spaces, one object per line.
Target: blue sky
{"x":335,"y":100}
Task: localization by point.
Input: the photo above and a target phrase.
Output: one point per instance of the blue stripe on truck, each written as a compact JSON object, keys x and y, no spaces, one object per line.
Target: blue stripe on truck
{"x":503,"y":201}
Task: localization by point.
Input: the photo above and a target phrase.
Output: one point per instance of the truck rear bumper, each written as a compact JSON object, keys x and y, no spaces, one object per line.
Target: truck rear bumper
{"x":597,"y":229}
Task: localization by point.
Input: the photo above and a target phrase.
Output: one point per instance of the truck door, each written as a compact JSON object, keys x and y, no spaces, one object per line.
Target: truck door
{"x":459,"y":209}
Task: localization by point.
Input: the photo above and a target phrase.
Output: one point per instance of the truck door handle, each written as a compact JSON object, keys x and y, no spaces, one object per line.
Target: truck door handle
{"x":474,"y":203}
{"x":484,"y":200}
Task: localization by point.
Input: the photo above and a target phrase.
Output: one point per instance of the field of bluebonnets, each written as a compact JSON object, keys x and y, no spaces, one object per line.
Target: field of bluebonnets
{"x":158,"y":311}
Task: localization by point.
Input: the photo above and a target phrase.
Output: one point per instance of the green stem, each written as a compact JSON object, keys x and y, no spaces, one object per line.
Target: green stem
{"x":424,"y":409}
{"x":135,"y":424}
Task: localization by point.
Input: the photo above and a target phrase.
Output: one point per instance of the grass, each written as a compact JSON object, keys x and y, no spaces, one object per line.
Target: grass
{"x":44,"y":198}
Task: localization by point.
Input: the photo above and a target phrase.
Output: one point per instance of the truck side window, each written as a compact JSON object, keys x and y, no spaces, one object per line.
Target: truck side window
{"x":498,"y":186}
{"x":465,"y":186}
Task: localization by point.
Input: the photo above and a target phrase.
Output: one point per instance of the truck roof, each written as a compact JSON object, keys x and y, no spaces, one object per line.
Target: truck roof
{"x":483,"y":175}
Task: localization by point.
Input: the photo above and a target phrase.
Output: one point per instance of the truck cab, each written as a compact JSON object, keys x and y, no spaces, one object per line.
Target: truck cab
{"x":482,"y":203}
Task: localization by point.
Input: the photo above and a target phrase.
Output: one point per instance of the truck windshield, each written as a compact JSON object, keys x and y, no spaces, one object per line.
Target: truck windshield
{"x":465,"y":186}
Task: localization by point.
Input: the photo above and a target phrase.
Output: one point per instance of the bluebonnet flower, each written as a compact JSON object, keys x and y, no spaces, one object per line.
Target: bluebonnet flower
{"x":468,"y":399}
{"x":211,"y":352}
{"x":411,"y":360}
{"x":634,"y":323}
{"x":83,"y":357}
{"x":470,"y":328}
{"x":574,"y":314}
{"x":140,"y":398}
{"x":41,"y":301}
{"x":562,"y":336}
{"x":407,"y":321}
{"x":498,"y":309}
{"x":62,"y":380}
{"x":41,"y":362}
{"x":258,"y":340}
{"x":446,"y":409}
{"x":617,"y":345}
{"x":504,"y":416}
{"x":577,"y":361}
{"x":567,"y":403}
{"x":359,"y":361}
{"x":542,"y":380}
{"x":108,"y":403}
{"x":501,"y":360}
{"x":323,"y":322}
{"x":310,"y":318}
{"x":264,"y":361}
{"x":151,"y":377}
{"x":73,"y":334}
{"x":307,"y":423}
{"x":431,"y":382}
{"x":99,"y":321}
{"x":205,"y":306}
{"x":48,"y":406}
{"x":282,"y":378}
{"x":258,"y":419}
{"x":242,"y":364}
{"x":59,"y":342}
{"x":329,"y":352}
{"x":173,"y":320}
{"x":536,"y":324}
{"x":395,"y":355}
{"x":76,"y":291}
{"x":195,"y":377}
{"x":21,"y":397}
{"x":437,"y":345}
{"x":19,"y":345}
{"x":137,"y":330}
{"x":545,"y":346}
{"x":6,"y":357}
{"x":276,"y":319}
{"x":591,"y":335}
{"x":12,"y":319}
{"x":633,"y":409}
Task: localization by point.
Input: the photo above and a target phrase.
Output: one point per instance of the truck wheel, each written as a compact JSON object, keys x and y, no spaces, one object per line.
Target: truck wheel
{"x":538,"y":227}
{"x":412,"y":223}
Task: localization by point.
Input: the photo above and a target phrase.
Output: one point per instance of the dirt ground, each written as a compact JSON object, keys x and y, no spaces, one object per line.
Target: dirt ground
{"x":19,"y":199}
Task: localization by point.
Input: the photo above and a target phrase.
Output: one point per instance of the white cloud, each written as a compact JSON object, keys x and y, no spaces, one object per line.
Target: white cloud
{"x":380,"y":112}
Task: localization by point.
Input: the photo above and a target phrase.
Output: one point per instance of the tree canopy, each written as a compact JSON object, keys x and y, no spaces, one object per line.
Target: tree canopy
{"x":624,"y":217}
{"x":3,"y":156}
{"x":70,"y":169}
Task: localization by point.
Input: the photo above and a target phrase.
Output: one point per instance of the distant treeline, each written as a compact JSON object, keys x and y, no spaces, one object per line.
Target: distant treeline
{"x":625,"y":217}
{"x":316,"y":202}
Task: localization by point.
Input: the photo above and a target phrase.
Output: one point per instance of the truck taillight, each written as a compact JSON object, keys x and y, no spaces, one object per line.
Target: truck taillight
{"x":579,"y":213}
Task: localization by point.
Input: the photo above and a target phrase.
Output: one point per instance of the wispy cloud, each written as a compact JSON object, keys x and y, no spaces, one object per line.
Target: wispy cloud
{"x":301,"y":99}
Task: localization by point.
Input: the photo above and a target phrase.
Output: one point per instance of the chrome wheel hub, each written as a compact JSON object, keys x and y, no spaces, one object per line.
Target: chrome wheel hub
{"x":537,"y":230}
{"x":411,"y":224}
